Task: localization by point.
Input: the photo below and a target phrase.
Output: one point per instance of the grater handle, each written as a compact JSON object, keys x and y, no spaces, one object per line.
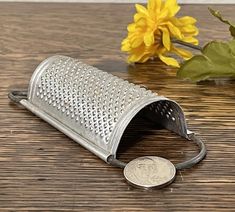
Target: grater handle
{"x":184,"y":165}
{"x":200,"y":156}
{"x":17,"y":96}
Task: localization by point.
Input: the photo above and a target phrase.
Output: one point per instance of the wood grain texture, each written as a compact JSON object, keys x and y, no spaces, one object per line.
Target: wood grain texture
{"x":41,"y":169}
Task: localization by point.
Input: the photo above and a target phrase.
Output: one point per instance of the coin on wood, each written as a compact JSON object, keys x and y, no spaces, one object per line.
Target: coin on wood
{"x":149,"y":172}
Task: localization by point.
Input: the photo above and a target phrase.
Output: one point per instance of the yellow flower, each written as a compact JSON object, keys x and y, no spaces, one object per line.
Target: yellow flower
{"x":154,"y":28}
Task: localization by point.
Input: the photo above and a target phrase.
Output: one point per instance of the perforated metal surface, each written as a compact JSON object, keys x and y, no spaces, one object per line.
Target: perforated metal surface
{"x":164,"y":109}
{"x":96,"y":105}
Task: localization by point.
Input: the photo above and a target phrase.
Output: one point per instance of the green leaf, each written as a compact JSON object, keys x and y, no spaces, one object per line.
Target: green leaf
{"x":218,"y":15}
{"x":217,"y":61}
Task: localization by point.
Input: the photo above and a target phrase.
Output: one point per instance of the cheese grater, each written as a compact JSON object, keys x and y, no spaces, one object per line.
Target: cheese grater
{"x":94,"y":107}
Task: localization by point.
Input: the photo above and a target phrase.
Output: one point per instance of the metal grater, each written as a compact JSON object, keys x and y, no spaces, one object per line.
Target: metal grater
{"x":94,"y":107}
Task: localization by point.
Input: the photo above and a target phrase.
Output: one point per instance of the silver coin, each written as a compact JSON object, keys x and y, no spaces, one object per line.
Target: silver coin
{"x":149,"y":172}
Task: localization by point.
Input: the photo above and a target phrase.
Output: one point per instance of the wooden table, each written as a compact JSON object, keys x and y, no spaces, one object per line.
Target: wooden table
{"x":41,"y":169}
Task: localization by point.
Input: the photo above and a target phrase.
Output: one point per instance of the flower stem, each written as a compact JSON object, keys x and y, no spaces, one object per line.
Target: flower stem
{"x":186,"y":44}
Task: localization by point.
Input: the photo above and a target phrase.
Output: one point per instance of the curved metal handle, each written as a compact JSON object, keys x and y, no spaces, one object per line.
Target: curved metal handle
{"x":17,"y":96}
{"x":199,"y":157}
{"x":184,"y":165}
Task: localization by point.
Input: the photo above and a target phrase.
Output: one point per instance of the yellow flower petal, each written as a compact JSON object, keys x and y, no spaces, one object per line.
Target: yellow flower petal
{"x":182,"y":52}
{"x":151,"y":5}
{"x":138,"y":16}
{"x":149,"y":38}
{"x":131,"y":27}
{"x":166,"y":38}
{"x":141,"y":23}
{"x":126,"y":47}
{"x":190,"y":29}
{"x":137,"y":54}
{"x":124,"y":41}
{"x":141,"y":9}
{"x":172,"y":7}
{"x":137,"y":41}
{"x":191,"y":40}
{"x":169,"y":61}
{"x":183,"y":21}
{"x":187,"y":20}
{"x":154,"y":6}
{"x":163,"y":14}
{"x":144,"y":58}
{"x":174,"y":30}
